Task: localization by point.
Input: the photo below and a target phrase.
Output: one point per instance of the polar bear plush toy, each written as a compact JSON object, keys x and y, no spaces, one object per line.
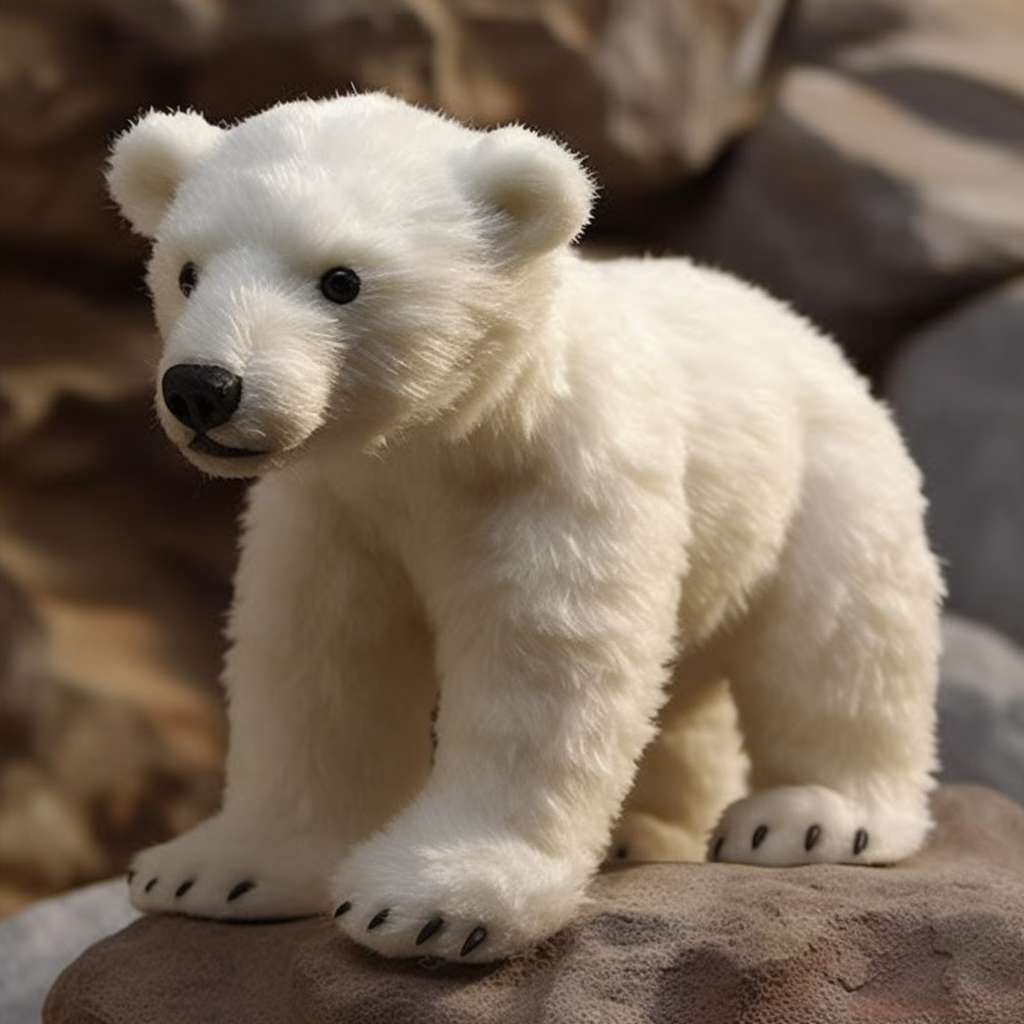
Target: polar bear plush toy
{"x":574,"y":506}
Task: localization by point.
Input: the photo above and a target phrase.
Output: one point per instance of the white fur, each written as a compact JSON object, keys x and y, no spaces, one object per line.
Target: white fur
{"x":542,"y":488}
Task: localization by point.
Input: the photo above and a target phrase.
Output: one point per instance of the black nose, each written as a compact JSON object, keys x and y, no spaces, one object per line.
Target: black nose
{"x":202,"y":397}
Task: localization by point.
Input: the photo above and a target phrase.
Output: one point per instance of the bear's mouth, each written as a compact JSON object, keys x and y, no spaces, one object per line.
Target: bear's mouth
{"x":207,"y":446}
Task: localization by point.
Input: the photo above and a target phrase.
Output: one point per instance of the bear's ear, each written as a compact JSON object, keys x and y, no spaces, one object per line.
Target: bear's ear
{"x":150,"y":160}
{"x":538,"y":193}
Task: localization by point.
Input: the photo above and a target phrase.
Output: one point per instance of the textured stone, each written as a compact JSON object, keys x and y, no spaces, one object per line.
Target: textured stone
{"x":111,"y":595}
{"x":957,"y":388}
{"x":85,"y":777}
{"x":981,"y":708}
{"x":937,"y":939}
{"x":885,"y":184}
{"x":657,"y":88}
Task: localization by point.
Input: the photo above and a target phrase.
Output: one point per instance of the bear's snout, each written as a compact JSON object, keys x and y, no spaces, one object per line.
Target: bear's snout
{"x":201,"y":396}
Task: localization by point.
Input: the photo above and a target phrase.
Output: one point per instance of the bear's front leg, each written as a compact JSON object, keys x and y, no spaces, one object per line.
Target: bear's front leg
{"x":555,"y":625}
{"x":317,"y":756}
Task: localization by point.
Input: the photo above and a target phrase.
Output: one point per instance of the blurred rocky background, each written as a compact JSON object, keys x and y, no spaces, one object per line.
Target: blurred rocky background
{"x":861,"y":158}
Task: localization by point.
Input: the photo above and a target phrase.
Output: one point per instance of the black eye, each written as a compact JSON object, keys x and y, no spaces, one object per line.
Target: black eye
{"x":188,"y":278}
{"x":340,"y":284}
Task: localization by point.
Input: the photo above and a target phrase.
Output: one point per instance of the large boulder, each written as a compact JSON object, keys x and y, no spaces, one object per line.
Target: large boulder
{"x":85,"y":777}
{"x":650,"y":91}
{"x":957,"y":389}
{"x":939,"y":938}
{"x":885,"y":183}
{"x":114,"y":562}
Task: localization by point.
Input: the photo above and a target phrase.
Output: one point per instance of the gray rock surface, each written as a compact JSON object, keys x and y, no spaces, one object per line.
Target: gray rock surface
{"x":957,"y":389}
{"x":981,"y":708}
{"x":936,"y":940}
{"x":885,"y":184}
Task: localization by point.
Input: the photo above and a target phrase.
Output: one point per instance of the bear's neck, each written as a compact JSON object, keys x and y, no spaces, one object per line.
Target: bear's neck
{"x":520,"y":367}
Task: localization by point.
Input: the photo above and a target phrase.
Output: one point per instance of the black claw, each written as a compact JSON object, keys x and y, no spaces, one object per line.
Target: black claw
{"x":151,"y":883}
{"x":812,"y":837}
{"x":759,"y":833}
{"x":717,"y":851}
{"x":860,"y":841}
{"x":240,"y":890}
{"x":475,"y":937}
{"x":343,"y":909}
{"x":429,"y":930}
{"x":131,"y":876}
{"x":378,"y":919}
{"x":184,"y":888}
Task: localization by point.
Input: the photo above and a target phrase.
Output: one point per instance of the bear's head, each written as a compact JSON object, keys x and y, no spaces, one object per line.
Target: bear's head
{"x":336,"y":272}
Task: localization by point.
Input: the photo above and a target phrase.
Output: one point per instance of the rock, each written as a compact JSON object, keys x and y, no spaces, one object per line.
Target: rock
{"x":885,"y":184}
{"x":657,"y":88}
{"x":84,"y":777}
{"x":70,"y":343}
{"x":939,"y":938}
{"x":66,"y":83}
{"x":110,"y":595}
{"x":957,"y":389}
{"x":981,"y":708}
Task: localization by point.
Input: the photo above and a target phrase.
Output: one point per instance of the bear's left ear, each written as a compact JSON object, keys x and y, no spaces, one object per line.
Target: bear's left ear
{"x":538,"y":192}
{"x":151,"y":159}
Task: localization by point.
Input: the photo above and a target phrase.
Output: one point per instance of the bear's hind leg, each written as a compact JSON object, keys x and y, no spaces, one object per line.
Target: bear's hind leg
{"x":834,"y":672}
{"x":692,"y":769}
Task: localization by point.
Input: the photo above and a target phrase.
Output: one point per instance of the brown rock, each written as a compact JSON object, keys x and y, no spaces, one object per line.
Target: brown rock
{"x":650,"y":91}
{"x":84,"y":777}
{"x":937,"y":939}
{"x":114,"y":563}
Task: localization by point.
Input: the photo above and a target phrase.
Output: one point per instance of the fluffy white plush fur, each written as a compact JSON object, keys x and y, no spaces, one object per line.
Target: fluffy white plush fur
{"x":550,"y":494}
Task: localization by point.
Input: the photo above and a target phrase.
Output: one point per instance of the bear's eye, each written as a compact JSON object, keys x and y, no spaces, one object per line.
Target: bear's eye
{"x":340,"y":284}
{"x":188,"y":278}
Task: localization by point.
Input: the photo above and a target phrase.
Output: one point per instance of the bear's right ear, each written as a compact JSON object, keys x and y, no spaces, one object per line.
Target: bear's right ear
{"x":149,"y":161}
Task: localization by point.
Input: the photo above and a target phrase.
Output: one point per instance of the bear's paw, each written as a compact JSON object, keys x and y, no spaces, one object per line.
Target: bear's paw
{"x":474,"y":898}
{"x":219,"y":870}
{"x":793,"y":825}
